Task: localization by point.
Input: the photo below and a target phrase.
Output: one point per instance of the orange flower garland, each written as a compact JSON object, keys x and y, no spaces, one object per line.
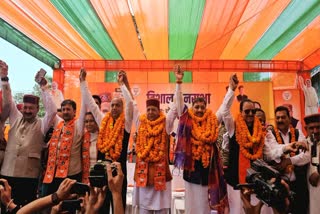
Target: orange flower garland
{"x":151,"y":139}
{"x":111,"y":136}
{"x":204,"y":133}
{"x":279,"y":139}
{"x":247,"y":141}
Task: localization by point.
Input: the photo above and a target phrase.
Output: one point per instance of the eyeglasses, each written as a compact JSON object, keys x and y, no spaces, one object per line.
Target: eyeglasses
{"x":247,"y":111}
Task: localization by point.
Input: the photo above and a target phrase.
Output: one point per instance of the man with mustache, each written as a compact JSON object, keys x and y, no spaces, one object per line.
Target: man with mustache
{"x":285,"y":147}
{"x":196,"y":151}
{"x":21,"y":164}
{"x":64,"y":152}
{"x":246,"y":143}
{"x":313,"y":129}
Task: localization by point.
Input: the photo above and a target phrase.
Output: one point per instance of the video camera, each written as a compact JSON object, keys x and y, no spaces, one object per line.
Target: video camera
{"x":98,"y":173}
{"x":266,"y":184}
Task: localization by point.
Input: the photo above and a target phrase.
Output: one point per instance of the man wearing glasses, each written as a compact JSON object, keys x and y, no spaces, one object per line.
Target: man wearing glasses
{"x":245,"y":145}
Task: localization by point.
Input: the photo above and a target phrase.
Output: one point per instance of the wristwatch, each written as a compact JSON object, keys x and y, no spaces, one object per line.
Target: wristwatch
{"x":4,"y":79}
{"x":54,"y":198}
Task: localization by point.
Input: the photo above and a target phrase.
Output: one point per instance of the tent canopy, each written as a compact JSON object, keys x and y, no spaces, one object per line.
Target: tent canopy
{"x":58,"y":30}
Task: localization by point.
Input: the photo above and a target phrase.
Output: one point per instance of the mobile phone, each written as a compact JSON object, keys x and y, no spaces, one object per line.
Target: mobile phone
{"x":40,"y":75}
{"x":80,"y":188}
{"x":71,"y":205}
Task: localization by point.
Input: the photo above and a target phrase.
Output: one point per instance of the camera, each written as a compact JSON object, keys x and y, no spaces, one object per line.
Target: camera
{"x":266,"y":184}
{"x":71,"y":205}
{"x":80,"y":188}
{"x":98,"y":173}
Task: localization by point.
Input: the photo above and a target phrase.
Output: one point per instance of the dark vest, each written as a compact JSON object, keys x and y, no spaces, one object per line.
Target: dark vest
{"x":123,"y":156}
{"x":232,"y":172}
{"x":300,"y":185}
{"x":123,"y":161}
{"x":294,"y":122}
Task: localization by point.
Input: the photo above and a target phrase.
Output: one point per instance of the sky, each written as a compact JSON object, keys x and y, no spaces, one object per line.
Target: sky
{"x":22,"y":67}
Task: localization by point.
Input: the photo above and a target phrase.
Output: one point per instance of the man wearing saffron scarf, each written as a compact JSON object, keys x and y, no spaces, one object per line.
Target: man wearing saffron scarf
{"x":152,"y":191}
{"x":115,"y":127}
{"x":282,"y":147}
{"x":64,"y":157}
{"x":21,"y":164}
{"x":245,"y":145}
{"x":196,"y":152}
{"x":313,"y":129}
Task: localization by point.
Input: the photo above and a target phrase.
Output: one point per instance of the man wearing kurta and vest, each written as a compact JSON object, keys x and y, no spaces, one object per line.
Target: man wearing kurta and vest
{"x":313,"y":130}
{"x":21,"y":164}
{"x":282,"y":149}
{"x":196,"y":152}
{"x":114,"y":131}
{"x":64,"y":151}
{"x":246,"y":144}
{"x":152,"y":191}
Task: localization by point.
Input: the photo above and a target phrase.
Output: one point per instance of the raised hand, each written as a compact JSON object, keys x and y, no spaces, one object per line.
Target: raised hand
{"x":121,"y":77}
{"x":3,"y":69}
{"x":82,"y":75}
{"x":63,"y":191}
{"x":178,"y":73}
{"x":40,"y":79}
{"x":233,"y":83}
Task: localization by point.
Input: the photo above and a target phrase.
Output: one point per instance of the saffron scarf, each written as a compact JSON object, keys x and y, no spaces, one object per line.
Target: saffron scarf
{"x":59,"y":166}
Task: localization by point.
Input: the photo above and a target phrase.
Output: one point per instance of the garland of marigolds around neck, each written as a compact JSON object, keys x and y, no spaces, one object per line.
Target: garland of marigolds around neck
{"x":249,"y":143}
{"x":151,"y":139}
{"x":111,"y":136}
{"x":204,"y":133}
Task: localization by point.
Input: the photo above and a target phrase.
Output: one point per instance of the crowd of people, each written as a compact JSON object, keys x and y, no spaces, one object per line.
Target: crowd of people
{"x":45,"y":159}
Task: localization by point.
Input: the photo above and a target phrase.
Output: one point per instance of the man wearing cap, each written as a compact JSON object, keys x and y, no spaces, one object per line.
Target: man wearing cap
{"x":21,"y":165}
{"x":152,"y":191}
{"x":285,"y":148}
{"x":313,"y":129}
{"x":196,"y":152}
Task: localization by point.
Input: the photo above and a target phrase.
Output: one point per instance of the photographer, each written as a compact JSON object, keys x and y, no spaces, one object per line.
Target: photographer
{"x":256,"y":209}
{"x":94,"y":202}
{"x":61,"y":194}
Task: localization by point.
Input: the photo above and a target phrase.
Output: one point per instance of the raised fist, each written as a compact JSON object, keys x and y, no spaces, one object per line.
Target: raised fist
{"x":178,"y":73}
{"x":233,"y":84}
{"x":83,"y":75}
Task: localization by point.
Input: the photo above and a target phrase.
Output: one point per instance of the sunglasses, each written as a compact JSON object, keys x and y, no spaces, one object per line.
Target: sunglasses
{"x":247,"y":111}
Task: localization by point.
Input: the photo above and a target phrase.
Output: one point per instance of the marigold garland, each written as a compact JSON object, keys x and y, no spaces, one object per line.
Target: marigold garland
{"x":246,"y":141}
{"x":151,"y":139}
{"x":204,"y":133}
{"x":111,"y":136}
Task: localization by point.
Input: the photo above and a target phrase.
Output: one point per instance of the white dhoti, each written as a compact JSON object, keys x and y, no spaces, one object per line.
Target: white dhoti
{"x":149,"y":199}
{"x":196,"y":199}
